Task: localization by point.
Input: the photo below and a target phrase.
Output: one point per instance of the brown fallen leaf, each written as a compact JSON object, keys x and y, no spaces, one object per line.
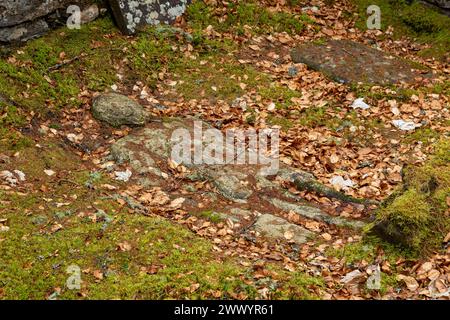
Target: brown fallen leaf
{"x":326,"y":236}
{"x":410,"y":282}
{"x":124,"y":246}
{"x":98,"y":274}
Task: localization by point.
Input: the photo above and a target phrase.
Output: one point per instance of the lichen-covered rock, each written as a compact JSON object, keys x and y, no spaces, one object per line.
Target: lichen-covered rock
{"x":277,"y":228}
{"x":130,"y":15}
{"x":116,"y":110}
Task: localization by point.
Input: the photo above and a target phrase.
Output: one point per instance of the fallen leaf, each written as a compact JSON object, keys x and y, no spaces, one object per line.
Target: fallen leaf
{"x":410,"y":282}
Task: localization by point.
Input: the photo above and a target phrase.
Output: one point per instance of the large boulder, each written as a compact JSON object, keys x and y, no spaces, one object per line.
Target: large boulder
{"x":21,"y":20}
{"x":444,"y":4}
{"x":131,"y":15}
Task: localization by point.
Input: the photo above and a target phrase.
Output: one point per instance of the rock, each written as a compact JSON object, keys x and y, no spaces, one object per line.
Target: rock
{"x":131,"y":15}
{"x":117,"y":110}
{"x":24,"y":31}
{"x":292,"y":71}
{"x":13,"y":13}
{"x":442,"y":5}
{"x":90,"y":14}
{"x":347,"y":61}
{"x":351,"y":276}
{"x":274,"y":227}
{"x":314,"y":213}
{"x":229,"y":182}
{"x":21,"y":20}
{"x":235,"y":215}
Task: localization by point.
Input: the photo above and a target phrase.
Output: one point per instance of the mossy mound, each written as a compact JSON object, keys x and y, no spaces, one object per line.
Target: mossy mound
{"x":417,"y":215}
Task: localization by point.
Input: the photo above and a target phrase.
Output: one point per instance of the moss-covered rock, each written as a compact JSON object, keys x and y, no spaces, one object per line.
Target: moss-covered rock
{"x":417,"y":215}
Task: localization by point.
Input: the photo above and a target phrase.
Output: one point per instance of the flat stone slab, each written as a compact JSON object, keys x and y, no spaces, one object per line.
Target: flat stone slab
{"x":274,"y":227}
{"x":131,"y":15}
{"x":346,"y":61}
{"x":315,"y":214}
{"x":145,"y":149}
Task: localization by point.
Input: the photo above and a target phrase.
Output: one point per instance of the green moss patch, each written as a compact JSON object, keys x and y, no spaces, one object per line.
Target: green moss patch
{"x":416,"y":216}
{"x":411,"y":19}
{"x":240,"y":15}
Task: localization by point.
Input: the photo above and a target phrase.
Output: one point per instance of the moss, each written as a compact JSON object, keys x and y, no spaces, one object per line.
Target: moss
{"x":221,"y":78}
{"x":210,"y":215}
{"x":241,"y":14}
{"x":297,"y":285}
{"x":300,"y":286}
{"x":164,"y":260}
{"x":283,"y":122}
{"x":280,"y":95}
{"x":415,"y":216}
{"x":424,"y":135}
{"x":411,"y":19}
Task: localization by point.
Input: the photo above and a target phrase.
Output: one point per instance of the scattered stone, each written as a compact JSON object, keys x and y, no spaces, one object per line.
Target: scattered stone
{"x":49,"y":172}
{"x":39,"y":220}
{"x":20,"y":175}
{"x":8,"y":177}
{"x":360,"y":104}
{"x":405,"y":125}
{"x":274,"y":227}
{"x":123,"y":175}
{"x":116,"y":110}
{"x":347,"y":61}
{"x":313,"y":9}
{"x":131,"y":15}
{"x":353,"y":275}
{"x":340,"y":183}
{"x":292,"y":71}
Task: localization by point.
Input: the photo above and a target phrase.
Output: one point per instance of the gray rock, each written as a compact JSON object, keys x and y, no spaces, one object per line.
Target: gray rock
{"x":274,"y":227}
{"x":347,"y":61}
{"x":229,"y":182}
{"x":89,"y":14}
{"x":21,"y":20}
{"x":236,"y":215}
{"x":24,"y":31}
{"x":116,"y":110}
{"x":445,"y":4}
{"x":292,"y":71}
{"x":442,"y":6}
{"x":315,"y":213}
{"x":131,"y":15}
{"x":18,"y":11}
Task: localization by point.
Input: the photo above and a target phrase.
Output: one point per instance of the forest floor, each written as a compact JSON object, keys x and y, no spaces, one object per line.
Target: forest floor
{"x":228,"y":64}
